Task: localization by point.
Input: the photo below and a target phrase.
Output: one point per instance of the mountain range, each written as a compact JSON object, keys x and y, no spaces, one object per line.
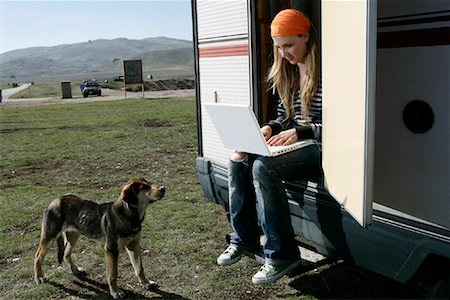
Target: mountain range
{"x":161,"y":57}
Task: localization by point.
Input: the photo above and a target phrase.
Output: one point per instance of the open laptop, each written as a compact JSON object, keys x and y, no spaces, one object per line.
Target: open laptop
{"x":239,"y":130}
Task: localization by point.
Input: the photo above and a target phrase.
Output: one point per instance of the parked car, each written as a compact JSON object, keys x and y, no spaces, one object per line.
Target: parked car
{"x":90,"y":87}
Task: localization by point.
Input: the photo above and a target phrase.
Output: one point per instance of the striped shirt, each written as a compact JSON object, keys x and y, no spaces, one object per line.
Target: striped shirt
{"x":314,"y":120}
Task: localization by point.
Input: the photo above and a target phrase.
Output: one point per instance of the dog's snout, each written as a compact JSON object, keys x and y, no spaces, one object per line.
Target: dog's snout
{"x":162,"y":189}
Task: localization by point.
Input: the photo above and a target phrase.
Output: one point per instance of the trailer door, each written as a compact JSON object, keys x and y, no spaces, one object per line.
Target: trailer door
{"x":348,"y":70}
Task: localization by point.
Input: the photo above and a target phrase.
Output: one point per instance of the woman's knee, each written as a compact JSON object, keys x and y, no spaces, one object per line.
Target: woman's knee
{"x":238,"y":156}
{"x":238,"y":164}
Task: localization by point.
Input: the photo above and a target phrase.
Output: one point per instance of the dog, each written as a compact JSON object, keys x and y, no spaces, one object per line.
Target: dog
{"x":115,"y":224}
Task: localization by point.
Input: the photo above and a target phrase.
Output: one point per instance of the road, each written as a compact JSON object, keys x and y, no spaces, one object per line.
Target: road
{"x":6,"y":93}
{"x":107,"y":94}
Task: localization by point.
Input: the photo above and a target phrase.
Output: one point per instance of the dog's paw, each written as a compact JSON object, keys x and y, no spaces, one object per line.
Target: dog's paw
{"x":151,"y":285}
{"x":40,"y":280}
{"x":79,"y":272}
{"x":118,"y":295}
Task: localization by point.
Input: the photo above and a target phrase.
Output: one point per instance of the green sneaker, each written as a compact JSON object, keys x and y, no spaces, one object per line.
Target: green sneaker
{"x":271,"y":273}
{"x":230,"y":256}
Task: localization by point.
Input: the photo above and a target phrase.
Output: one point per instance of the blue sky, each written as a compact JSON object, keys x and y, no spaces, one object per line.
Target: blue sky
{"x":25,"y":24}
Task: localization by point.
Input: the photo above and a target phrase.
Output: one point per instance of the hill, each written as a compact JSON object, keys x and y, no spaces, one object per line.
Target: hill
{"x":161,"y":57}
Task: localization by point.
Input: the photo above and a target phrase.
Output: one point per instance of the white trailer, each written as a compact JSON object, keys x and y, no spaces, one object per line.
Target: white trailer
{"x":385,"y":72}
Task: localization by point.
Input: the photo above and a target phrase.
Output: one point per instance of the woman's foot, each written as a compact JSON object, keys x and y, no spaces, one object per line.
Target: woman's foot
{"x":271,"y":273}
{"x":231,"y":255}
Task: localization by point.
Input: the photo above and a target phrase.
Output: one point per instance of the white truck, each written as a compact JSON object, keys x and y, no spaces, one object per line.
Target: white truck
{"x":385,"y":200}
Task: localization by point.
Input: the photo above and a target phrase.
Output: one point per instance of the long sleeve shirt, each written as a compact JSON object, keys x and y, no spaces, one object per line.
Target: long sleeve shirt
{"x":310,"y":128}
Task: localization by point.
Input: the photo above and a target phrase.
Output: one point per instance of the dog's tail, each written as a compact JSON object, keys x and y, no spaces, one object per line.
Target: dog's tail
{"x":60,"y":242}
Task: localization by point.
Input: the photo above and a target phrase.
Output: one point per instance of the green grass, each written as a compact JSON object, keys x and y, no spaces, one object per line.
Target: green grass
{"x":92,"y":149}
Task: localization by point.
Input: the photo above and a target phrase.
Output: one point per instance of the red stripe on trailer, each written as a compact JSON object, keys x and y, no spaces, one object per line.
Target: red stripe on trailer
{"x":221,"y":51}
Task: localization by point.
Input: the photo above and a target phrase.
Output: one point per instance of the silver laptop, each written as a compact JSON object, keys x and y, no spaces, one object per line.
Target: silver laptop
{"x":239,"y":130}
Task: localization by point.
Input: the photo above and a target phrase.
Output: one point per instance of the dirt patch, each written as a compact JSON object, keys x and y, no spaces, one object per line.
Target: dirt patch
{"x":163,"y":85}
{"x":9,"y":262}
{"x":171,"y":84}
{"x":155,"y":123}
{"x":24,"y":228}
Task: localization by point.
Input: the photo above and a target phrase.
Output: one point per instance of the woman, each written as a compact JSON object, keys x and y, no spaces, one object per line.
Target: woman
{"x":256,"y":190}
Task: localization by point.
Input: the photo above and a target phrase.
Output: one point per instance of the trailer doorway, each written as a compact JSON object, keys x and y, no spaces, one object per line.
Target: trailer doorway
{"x":348,"y":58}
{"x":261,"y":14}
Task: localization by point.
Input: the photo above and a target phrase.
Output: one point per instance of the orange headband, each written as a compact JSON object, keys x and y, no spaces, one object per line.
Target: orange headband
{"x":289,"y":22}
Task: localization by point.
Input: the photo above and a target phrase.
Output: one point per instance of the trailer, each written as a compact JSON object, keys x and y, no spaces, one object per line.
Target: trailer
{"x":384,"y":203}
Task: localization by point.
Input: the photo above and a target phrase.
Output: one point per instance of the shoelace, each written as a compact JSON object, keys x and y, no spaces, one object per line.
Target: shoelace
{"x":231,"y":249}
{"x":266,"y":268}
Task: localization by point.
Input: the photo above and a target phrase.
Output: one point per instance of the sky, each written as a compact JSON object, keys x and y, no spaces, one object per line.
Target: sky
{"x":25,"y":24}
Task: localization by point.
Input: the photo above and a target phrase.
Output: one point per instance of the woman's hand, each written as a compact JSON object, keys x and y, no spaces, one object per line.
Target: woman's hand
{"x":266,"y":131}
{"x":284,"y":138}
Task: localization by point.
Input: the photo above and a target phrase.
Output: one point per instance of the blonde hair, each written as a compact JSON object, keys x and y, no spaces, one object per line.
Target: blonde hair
{"x":284,"y":77}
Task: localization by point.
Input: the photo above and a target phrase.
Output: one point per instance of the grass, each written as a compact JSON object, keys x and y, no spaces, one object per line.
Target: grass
{"x":91,"y":150}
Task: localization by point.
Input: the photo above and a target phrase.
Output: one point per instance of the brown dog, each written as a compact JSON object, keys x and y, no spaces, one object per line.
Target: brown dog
{"x":116,"y":224}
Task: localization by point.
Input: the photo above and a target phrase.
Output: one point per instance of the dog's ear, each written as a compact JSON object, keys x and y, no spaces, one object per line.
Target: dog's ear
{"x":130,"y":192}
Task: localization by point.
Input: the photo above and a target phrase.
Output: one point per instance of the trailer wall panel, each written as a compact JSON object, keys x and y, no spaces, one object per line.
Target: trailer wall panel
{"x":226,"y":80}
{"x":224,"y":70}
{"x":412,"y":168}
{"x":221,"y":19}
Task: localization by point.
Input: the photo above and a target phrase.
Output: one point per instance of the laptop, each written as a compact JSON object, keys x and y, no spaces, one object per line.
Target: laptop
{"x":239,"y":130}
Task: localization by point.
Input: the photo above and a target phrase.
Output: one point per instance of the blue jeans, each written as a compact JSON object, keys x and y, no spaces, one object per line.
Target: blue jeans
{"x":256,"y":192}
